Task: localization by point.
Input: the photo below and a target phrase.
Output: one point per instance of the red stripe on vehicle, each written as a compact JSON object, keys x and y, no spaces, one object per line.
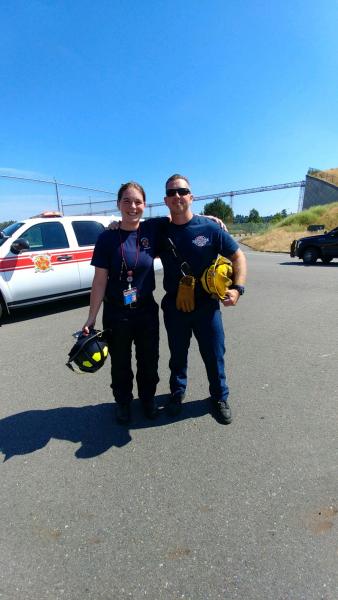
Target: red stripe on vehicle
{"x":26,"y":262}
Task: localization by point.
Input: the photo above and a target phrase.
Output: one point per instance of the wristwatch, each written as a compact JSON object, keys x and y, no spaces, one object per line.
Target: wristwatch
{"x":240,"y":289}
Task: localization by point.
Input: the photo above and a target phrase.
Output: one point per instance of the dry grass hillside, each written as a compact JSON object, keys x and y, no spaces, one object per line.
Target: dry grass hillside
{"x":329,"y":175}
{"x":331,"y":172}
{"x":279,"y":237}
{"x":327,"y":172}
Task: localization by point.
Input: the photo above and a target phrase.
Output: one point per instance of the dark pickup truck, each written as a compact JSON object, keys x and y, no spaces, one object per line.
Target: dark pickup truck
{"x":324,"y":246}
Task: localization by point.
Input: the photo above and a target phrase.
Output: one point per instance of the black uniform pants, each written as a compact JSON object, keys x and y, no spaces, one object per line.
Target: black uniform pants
{"x":141,"y":326}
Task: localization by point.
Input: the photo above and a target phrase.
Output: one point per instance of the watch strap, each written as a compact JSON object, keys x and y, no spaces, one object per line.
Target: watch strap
{"x":240,"y":288}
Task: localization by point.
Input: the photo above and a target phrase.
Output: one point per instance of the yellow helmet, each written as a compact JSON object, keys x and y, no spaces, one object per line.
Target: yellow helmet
{"x":216,"y":279}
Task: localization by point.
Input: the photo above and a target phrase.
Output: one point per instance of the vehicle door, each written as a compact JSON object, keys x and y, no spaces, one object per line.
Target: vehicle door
{"x":331,"y":246}
{"x":86,"y":233}
{"x":48,"y":268}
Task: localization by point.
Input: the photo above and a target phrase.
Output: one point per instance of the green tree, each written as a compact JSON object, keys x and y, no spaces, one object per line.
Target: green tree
{"x":5,"y":224}
{"x":240,"y":219}
{"x":254,"y":216}
{"x":279,"y":216}
{"x":219,"y":209}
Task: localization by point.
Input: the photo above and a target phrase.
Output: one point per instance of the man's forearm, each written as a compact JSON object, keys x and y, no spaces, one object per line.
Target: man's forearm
{"x":239,"y":268}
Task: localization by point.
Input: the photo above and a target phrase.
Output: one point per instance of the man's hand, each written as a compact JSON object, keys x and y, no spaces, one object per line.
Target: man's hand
{"x":114,"y":225}
{"x":231,"y":298}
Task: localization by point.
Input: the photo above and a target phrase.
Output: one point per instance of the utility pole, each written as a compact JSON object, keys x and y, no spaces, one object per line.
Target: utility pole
{"x":57,"y":195}
{"x":232,"y":201}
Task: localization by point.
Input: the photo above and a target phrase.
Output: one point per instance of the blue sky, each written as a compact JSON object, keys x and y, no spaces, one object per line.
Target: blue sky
{"x":235,"y":94}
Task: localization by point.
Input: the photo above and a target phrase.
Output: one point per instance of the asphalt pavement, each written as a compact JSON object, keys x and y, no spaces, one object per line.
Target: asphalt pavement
{"x":177,"y":508}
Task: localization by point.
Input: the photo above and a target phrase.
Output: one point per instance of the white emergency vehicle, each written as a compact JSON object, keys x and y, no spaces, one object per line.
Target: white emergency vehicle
{"x":47,"y":257}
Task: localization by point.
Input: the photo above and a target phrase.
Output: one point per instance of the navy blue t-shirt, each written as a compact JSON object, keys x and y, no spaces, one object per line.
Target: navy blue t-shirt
{"x":198,"y":242}
{"x":108,"y":255}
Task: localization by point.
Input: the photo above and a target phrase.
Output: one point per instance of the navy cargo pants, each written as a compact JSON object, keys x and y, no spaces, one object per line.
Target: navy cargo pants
{"x":205,"y":322}
{"x":140,"y":326}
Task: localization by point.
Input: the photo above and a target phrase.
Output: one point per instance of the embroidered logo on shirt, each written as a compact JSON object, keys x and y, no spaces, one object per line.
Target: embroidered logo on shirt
{"x":200,"y":241}
{"x":145,"y":243}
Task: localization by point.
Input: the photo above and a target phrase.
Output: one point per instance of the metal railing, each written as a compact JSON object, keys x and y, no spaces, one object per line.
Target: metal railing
{"x":65,"y":197}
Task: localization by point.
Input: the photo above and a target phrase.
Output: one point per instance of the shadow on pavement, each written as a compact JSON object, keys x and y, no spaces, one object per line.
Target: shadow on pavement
{"x":301,"y":264}
{"x":93,"y":426}
{"x":26,"y":313}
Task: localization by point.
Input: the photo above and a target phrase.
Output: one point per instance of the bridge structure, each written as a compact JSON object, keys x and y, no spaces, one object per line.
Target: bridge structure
{"x":112,"y":195}
{"x":265,"y":188}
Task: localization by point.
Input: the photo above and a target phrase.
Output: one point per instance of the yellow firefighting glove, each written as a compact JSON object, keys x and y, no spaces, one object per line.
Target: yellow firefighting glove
{"x":185,"y":299}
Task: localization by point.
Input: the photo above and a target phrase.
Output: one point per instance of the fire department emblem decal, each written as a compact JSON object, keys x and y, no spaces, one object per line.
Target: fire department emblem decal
{"x":145,"y":243}
{"x":42,"y":263}
{"x":200,"y":241}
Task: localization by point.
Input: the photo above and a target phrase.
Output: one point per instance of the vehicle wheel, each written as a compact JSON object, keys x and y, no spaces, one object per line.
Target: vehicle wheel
{"x":2,"y":309}
{"x":310,"y":256}
{"x":327,"y":259}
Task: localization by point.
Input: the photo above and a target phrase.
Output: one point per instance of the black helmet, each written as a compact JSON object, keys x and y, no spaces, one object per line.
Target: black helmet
{"x":89,"y":353}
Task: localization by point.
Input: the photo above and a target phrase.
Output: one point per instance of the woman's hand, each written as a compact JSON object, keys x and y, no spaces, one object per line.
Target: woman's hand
{"x":89,"y":324}
{"x":216,"y":220}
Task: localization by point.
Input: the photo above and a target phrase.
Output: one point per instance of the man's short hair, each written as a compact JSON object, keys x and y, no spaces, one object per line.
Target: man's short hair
{"x":174,"y":177}
{"x":130,"y":184}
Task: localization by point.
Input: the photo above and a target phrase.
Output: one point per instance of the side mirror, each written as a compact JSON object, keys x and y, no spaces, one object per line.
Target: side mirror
{"x":19,"y":245}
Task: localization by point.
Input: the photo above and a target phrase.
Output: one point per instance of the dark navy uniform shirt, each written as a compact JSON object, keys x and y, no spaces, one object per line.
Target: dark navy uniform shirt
{"x":198,"y":242}
{"x":108,"y":255}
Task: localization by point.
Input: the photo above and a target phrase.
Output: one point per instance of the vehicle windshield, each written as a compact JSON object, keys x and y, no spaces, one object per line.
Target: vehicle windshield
{"x":8,"y":231}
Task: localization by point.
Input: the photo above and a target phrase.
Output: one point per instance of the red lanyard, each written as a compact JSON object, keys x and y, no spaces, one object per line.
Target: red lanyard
{"x":124,"y":262}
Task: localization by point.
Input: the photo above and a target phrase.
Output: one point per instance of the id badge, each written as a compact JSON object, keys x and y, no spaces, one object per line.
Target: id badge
{"x":129,"y":296}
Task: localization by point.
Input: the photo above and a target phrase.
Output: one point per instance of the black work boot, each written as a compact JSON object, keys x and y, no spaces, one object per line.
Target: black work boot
{"x":150,"y":409}
{"x":174,"y":405}
{"x":123,"y":414}
{"x":223,"y":412}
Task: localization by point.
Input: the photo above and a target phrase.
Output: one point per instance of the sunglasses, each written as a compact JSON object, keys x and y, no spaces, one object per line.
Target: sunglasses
{"x":180,"y":191}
